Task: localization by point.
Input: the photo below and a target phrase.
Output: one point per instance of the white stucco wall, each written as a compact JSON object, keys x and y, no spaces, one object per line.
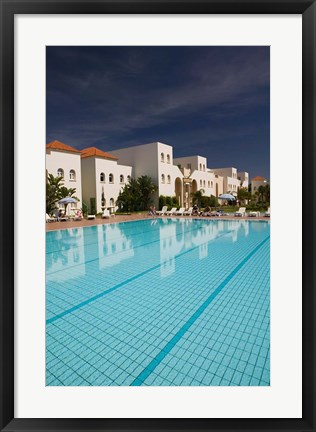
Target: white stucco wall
{"x":244,"y":179}
{"x":167,"y":168}
{"x":67,"y":161}
{"x":92,"y":167}
{"x":196,"y":163}
{"x":147,"y":160}
{"x":143,"y":158}
{"x":256,"y":183}
{"x":88,"y":180}
{"x":230,"y":179}
{"x":205,"y":181}
{"x":111,"y":190}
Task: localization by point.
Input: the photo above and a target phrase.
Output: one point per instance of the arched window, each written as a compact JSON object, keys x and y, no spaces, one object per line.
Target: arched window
{"x":203,"y":183}
{"x":211,"y":184}
{"x":60,"y":173}
{"x":208,"y":184}
{"x":121,"y":178}
{"x":111,"y":202}
{"x":200,"y":183}
{"x":203,"y":167}
{"x":72,"y":175}
{"x":168,"y":158}
{"x":102,"y":177}
{"x":162,"y":157}
{"x":168,"y":179}
{"x":111,"y":178}
{"x":200,"y":167}
{"x":162,"y":178}
{"x":128,"y":178}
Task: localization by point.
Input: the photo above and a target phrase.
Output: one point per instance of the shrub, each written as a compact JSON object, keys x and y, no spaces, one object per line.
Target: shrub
{"x":93,"y":206}
{"x":162,"y":201}
{"x":213,"y":201}
{"x":84,"y":209}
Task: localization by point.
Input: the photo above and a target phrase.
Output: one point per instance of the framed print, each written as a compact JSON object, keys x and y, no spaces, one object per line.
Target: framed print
{"x":160,"y":293}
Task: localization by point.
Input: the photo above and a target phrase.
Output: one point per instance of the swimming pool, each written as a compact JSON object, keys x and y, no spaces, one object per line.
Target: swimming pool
{"x":171,"y":302}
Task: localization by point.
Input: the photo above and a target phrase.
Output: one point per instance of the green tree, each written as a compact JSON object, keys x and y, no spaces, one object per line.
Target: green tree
{"x":213,"y":201}
{"x":53,"y":192}
{"x":146,"y":190}
{"x":267,"y":193}
{"x":137,"y":194}
{"x":129,"y":197}
{"x":243,"y":194}
{"x":261,"y":193}
{"x":197,"y":197}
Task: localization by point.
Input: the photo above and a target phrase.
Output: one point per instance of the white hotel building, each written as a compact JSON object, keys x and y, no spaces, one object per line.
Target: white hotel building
{"x":65,"y":161}
{"x":101,"y":175}
{"x":156,"y":161}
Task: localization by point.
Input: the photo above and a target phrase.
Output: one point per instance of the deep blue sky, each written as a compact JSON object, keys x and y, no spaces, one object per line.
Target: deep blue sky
{"x":211,"y":101}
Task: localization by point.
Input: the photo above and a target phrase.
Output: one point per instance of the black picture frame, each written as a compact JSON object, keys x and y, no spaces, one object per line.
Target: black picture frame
{"x":8,"y":10}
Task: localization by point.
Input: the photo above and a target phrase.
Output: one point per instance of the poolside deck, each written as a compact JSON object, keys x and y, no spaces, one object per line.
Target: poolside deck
{"x":126,"y":218}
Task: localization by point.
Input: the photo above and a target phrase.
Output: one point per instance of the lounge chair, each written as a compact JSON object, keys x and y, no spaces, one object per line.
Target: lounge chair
{"x":206,"y":213}
{"x":218,"y":213}
{"x":90,"y":216}
{"x":63,"y":218}
{"x":162,"y":211}
{"x":241,"y":212}
{"x":106,"y":214}
{"x":188,"y":212}
{"x":114,"y":211}
{"x":180,"y":211}
{"x":254,"y":214}
{"x":267,"y":213}
{"x":171,"y":212}
{"x":50,"y":219}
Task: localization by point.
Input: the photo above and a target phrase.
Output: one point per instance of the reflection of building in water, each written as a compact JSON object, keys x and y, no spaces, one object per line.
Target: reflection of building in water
{"x":65,"y":250}
{"x":171,"y":245}
{"x":113,"y":245}
{"x":179,"y":235}
{"x":235,"y":226}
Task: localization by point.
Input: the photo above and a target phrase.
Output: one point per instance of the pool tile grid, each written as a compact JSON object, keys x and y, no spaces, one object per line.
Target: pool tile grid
{"x":206,"y":350}
{"x":127,"y":359}
{"x":70,"y":294}
{"x":146,"y":305}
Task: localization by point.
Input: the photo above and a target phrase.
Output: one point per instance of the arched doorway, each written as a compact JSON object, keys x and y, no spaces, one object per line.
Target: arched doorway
{"x":194,"y":188}
{"x":178,"y":190}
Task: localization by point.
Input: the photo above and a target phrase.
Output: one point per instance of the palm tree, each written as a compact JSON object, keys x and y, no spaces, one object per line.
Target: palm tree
{"x":53,"y":192}
{"x":146,"y":189}
{"x":65,"y":192}
{"x":129,"y":196}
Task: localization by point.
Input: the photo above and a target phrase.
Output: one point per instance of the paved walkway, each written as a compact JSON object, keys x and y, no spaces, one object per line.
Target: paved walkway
{"x":125,"y":218}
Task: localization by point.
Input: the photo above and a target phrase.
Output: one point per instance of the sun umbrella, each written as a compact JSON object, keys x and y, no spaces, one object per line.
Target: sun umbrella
{"x":66,"y":201}
{"x":228,"y":197}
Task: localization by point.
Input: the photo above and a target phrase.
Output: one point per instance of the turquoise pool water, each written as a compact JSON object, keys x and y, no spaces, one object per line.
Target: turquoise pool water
{"x":171,"y":302}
